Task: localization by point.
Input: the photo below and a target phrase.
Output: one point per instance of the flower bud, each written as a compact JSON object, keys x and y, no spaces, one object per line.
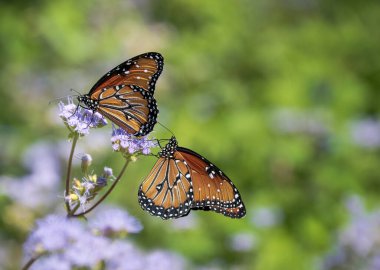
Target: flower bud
{"x":86,"y":162}
{"x":77,"y":184}
{"x":107,"y":172}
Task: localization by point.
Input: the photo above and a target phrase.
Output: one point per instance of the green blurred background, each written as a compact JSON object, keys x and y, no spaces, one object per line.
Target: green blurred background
{"x":282,"y":95}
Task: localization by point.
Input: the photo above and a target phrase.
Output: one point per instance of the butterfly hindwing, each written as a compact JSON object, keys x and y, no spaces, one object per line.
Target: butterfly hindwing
{"x":167,"y":191}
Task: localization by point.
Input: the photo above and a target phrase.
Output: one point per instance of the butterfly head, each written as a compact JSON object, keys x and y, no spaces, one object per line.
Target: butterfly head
{"x":169,"y":149}
{"x":91,"y":104}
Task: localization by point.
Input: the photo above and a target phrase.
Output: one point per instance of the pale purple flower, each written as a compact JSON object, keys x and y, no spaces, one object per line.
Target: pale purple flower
{"x":375,"y":262}
{"x":366,"y":133}
{"x":78,"y":119}
{"x":112,"y":220}
{"x":53,"y":233}
{"x":291,"y":121}
{"x":265,"y":217}
{"x":243,"y":242}
{"x":125,"y":142}
{"x":40,"y":187}
{"x":359,"y":242}
{"x":359,"y":235}
{"x":124,"y":256}
{"x":163,"y":260}
{"x":51,"y":262}
{"x":355,"y":206}
{"x":87,"y":251}
{"x":107,"y":172}
{"x":188,"y":223}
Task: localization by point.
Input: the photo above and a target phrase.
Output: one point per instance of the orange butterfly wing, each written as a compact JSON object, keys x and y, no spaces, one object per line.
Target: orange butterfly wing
{"x":142,"y":70}
{"x":167,"y":191}
{"x":125,"y":94}
{"x":213,"y":190}
{"x":130,"y":107}
{"x":182,"y":180}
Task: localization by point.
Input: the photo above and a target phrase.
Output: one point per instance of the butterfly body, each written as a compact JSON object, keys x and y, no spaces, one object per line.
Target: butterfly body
{"x":182,"y":180}
{"x":125,"y":94}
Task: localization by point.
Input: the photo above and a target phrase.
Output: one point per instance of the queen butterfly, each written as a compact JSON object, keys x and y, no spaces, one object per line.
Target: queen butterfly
{"x":182,"y":180}
{"x":125,"y":94}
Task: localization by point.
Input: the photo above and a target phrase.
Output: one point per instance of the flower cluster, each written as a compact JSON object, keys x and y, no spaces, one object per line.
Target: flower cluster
{"x":76,"y":244}
{"x":358,"y":245}
{"x":127,"y":143}
{"x":86,"y":189}
{"x":366,"y":133}
{"x":115,"y":222}
{"x":39,"y":188}
{"x":68,"y":243}
{"x":80,"y":120}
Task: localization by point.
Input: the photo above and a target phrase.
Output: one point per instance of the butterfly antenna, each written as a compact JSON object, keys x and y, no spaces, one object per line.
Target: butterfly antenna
{"x":73,"y":90}
{"x":165,"y":127}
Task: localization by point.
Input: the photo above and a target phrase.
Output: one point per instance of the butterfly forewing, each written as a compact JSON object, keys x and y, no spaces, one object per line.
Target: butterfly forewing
{"x":167,"y":191}
{"x":142,"y":70}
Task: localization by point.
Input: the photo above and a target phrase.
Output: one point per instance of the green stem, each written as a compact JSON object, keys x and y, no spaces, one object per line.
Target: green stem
{"x":68,"y":174}
{"x":105,"y":194}
{"x":30,"y":262}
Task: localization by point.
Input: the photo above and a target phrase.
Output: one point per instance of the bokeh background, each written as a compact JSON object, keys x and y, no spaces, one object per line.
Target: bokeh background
{"x":282,"y":95}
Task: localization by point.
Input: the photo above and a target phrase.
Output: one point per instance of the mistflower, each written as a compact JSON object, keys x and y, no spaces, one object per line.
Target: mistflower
{"x":127,"y":143}
{"x":111,"y":221}
{"x":124,"y":256}
{"x":52,"y":262}
{"x":37,"y":189}
{"x":52,"y":234}
{"x":243,"y":242}
{"x":88,"y":251}
{"x":358,"y":243}
{"x":266,"y":217}
{"x":162,"y":260}
{"x":366,"y":133}
{"x":85,"y":190}
{"x":78,"y":119}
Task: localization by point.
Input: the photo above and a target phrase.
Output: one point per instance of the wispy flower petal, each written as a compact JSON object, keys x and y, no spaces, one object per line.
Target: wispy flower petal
{"x":124,"y":256}
{"x":52,"y":234}
{"x":88,"y":251}
{"x":110,"y":220}
{"x":78,"y":119}
{"x":125,"y":142}
{"x":52,"y":262}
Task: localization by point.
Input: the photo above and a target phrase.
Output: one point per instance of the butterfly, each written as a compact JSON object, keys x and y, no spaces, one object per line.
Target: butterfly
{"x":182,"y":180}
{"x":125,"y":94}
